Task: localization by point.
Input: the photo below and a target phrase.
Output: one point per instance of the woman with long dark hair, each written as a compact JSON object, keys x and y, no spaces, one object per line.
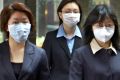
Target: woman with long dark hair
{"x":99,"y":58}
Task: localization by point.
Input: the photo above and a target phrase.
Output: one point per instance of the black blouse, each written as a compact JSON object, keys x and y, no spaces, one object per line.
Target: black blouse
{"x":16,"y":68}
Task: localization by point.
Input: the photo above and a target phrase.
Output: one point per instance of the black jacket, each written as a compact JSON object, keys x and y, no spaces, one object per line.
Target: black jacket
{"x":104,"y":65}
{"x":34,"y":66}
{"x":58,"y":55}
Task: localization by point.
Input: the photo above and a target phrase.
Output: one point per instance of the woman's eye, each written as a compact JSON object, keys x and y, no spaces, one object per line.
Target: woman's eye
{"x":67,"y":11}
{"x":100,"y":24}
{"x":76,"y":11}
{"x":15,"y":22}
{"x":71,"y":11}
{"x":24,"y":22}
{"x":109,"y":25}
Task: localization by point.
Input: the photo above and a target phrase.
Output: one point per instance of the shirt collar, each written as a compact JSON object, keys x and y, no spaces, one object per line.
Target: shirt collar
{"x":61,"y":32}
{"x":95,"y":47}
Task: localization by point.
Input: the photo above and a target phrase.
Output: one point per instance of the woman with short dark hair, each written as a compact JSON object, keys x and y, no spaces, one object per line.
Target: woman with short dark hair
{"x":19,"y":58}
{"x":61,"y":43}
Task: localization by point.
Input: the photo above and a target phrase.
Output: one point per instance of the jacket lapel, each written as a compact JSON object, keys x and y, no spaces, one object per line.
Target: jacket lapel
{"x":77,"y":43}
{"x":6,"y":61}
{"x":63,"y":44}
{"x":29,"y":50}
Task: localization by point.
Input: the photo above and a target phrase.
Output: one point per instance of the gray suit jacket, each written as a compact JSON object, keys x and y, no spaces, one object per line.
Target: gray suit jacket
{"x":35,"y":65}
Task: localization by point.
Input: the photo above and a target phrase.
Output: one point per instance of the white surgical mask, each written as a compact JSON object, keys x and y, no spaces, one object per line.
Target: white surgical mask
{"x":19,"y":32}
{"x":71,"y":19}
{"x":104,"y":34}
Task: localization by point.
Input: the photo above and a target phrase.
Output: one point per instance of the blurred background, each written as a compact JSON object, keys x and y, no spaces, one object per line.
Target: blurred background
{"x":45,"y":13}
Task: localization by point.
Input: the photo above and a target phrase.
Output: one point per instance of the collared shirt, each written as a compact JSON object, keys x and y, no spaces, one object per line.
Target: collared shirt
{"x":70,"y":40}
{"x":95,"y":47}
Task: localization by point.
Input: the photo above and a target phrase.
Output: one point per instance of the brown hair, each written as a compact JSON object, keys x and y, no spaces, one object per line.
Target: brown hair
{"x":63,"y":3}
{"x":9,"y":10}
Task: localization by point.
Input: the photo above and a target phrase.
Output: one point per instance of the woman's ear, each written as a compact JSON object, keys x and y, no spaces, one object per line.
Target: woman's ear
{"x":60,"y":15}
{"x":6,"y":27}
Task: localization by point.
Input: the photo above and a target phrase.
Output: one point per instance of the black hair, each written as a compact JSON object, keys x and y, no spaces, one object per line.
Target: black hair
{"x":98,"y":14}
{"x":63,"y":3}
